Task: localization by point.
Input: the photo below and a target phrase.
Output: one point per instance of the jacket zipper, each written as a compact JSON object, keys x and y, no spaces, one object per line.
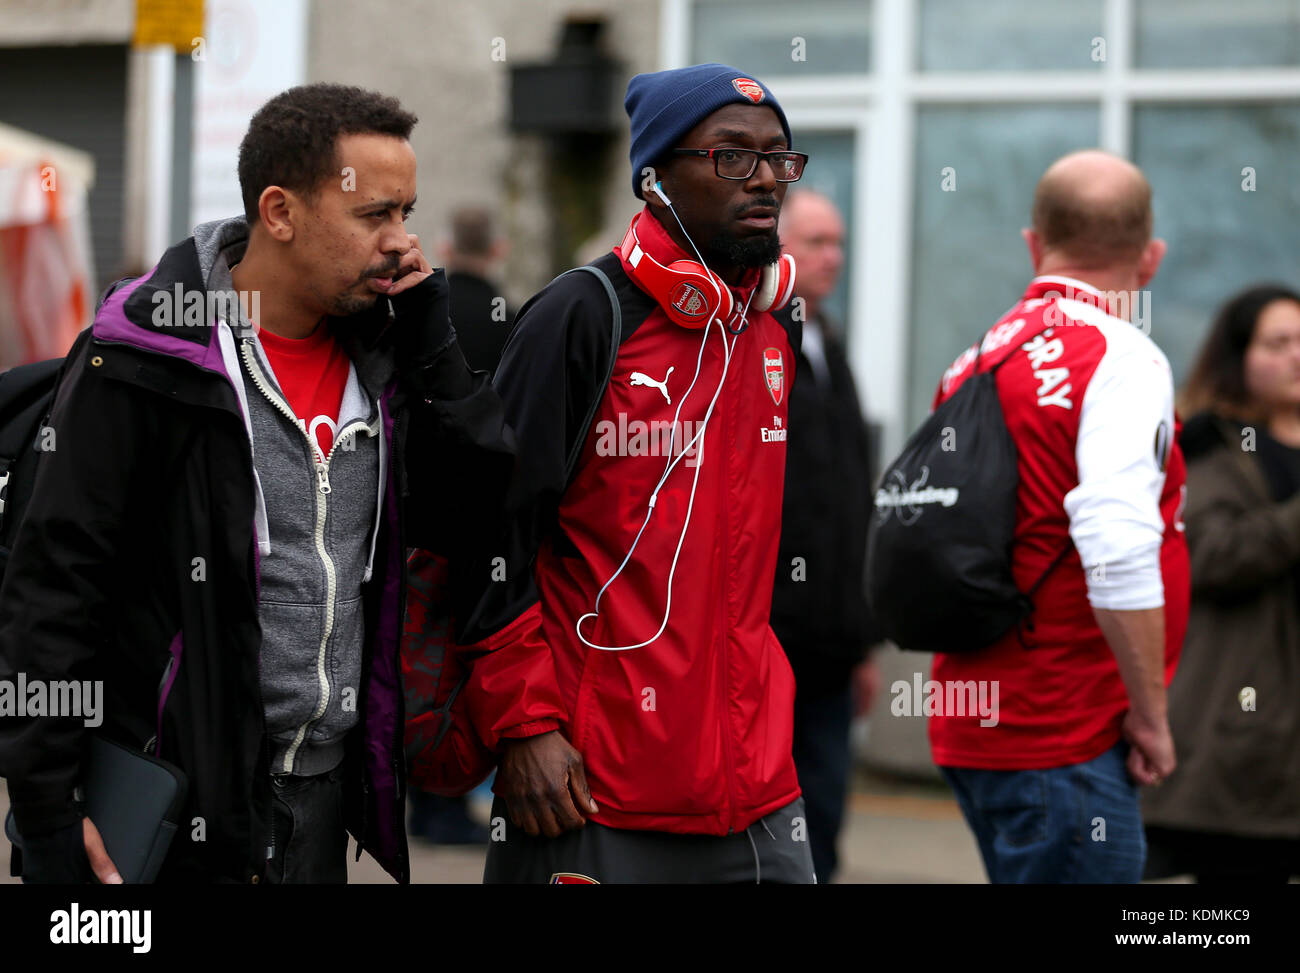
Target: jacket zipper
{"x":151,"y":745}
{"x":726,"y":627}
{"x":269,"y":852}
{"x":322,"y":509}
{"x":266,"y":733}
{"x":154,"y":743}
{"x":395,"y":474}
{"x":399,"y":724}
{"x":399,"y":729}
{"x":367,"y":661}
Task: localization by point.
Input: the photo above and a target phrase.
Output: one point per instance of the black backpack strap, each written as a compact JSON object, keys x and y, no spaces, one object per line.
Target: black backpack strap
{"x":36,"y":381}
{"x":5,"y":463}
{"x":1027,"y":598}
{"x":39,"y":371}
{"x":979,"y":349}
{"x":616,"y":338}
{"x":1033,"y":589}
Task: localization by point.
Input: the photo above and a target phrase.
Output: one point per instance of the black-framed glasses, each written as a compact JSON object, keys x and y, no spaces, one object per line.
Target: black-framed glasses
{"x":732,"y":163}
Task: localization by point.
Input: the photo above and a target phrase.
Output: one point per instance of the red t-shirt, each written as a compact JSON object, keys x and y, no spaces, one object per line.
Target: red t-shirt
{"x":312,"y":372}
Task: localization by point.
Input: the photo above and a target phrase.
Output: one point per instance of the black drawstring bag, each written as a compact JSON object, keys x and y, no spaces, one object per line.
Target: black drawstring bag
{"x":939,"y":543}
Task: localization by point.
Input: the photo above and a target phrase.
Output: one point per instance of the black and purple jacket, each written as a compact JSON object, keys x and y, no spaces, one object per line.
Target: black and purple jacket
{"x":137,"y":562}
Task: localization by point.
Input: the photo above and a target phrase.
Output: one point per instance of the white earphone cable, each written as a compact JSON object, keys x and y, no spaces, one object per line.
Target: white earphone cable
{"x":728,"y":347}
{"x":727,"y":353}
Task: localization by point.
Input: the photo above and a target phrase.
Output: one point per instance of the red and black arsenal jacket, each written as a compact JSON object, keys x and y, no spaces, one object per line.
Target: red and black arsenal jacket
{"x":692,"y":732}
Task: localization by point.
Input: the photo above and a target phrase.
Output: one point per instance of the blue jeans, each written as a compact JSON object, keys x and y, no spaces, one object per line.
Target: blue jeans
{"x":1079,"y":823}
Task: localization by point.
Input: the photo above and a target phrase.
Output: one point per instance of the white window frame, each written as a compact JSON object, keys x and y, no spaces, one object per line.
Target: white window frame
{"x":882,"y":106}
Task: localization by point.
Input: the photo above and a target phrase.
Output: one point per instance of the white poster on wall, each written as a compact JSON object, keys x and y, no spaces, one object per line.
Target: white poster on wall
{"x":251,"y":52}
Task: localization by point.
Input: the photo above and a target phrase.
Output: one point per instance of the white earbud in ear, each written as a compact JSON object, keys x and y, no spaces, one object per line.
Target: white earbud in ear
{"x":659,"y":191}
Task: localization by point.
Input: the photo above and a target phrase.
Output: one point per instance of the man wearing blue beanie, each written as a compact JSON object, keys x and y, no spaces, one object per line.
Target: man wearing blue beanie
{"x":626,"y":671}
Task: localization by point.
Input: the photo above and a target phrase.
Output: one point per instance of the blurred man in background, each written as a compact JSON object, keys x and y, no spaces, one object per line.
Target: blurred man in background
{"x":819,"y":604}
{"x":478,"y":310}
{"x":1050,"y":785}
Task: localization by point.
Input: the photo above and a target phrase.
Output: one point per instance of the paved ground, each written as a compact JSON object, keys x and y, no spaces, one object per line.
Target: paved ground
{"x":894,"y":833}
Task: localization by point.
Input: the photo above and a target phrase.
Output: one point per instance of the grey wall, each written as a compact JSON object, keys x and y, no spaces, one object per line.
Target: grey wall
{"x":31,"y":22}
{"x":437,"y":58}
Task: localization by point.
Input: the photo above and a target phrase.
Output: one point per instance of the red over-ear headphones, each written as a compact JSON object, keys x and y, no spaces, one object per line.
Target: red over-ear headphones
{"x":691,"y":294}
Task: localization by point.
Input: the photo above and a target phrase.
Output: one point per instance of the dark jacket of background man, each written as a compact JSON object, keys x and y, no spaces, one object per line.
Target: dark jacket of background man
{"x":823,"y":622}
{"x":473,"y":254}
{"x":474,"y":300}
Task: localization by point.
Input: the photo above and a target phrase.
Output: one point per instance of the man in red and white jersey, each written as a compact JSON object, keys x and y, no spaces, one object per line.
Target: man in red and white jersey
{"x":1048,"y":780}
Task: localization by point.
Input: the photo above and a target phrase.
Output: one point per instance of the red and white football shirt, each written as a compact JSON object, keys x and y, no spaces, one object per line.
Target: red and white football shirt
{"x":1088,"y":399}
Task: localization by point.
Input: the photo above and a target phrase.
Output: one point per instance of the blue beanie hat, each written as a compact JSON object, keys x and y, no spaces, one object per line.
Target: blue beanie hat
{"x":665,"y":105}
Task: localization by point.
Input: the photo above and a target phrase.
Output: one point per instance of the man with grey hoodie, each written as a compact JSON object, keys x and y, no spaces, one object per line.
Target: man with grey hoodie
{"x":249,"y":437}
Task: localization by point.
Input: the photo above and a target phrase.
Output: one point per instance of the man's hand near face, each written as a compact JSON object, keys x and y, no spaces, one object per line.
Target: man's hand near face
{"x":543,"y":783}
{"x":420,"y":297}
{"x":411,"y":269}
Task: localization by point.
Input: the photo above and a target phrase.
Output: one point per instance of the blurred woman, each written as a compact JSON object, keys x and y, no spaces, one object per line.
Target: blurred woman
{"x":1230,"y":812}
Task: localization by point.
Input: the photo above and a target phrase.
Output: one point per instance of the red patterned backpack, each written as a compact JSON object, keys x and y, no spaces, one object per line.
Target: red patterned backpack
{"x":443,"y":753}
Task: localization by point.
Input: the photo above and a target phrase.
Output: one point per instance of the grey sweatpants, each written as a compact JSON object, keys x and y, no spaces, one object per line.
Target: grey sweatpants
{"x":773,"y":849}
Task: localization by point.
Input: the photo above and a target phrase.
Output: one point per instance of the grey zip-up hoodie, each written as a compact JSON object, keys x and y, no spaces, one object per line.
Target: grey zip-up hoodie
{"x":316,"y":523}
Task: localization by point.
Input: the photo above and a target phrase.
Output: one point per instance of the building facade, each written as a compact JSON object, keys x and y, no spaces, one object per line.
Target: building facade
{"x":928,"y":121}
